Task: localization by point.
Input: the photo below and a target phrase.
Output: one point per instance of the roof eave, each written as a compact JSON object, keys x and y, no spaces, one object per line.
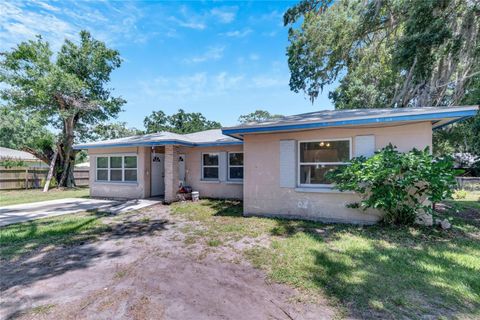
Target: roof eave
{"x":457,"y":115}
{"x":86,"y":146}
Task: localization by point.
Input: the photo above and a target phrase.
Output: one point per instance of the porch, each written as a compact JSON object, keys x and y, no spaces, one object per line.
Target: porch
{"x":167,"y":171}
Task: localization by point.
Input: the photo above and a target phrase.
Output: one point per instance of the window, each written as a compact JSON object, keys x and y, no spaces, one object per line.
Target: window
{"x":117,"y":168}
{"x":235,"y":166}
{"x":316,"y":158}
{"x":210,"y":166}
{"x":102,"y":168}
{"x":130,"y":168}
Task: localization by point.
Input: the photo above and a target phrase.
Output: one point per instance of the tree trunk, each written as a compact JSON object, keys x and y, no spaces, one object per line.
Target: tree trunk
{"x":50,"y":172}
{"x":66,"y":178}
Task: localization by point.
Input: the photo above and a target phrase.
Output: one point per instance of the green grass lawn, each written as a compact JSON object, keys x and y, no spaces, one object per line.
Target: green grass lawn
{"x":375,"y":271}
{"x":367,"y":272}
{"x":20,"y":238}
{"x":34,"y":195}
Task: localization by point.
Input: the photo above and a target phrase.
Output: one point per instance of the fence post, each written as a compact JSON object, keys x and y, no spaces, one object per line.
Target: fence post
{"x":26,"y":178}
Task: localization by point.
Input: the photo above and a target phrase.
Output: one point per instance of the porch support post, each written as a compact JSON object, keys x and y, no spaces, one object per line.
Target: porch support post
{"x":171,"y":173}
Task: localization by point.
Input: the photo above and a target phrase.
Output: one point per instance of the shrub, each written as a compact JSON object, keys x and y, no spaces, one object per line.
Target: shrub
{"x":460,"y":194}
{"x":9,"y":163}
{"x":398,"y":184}
{"x":53,"y":182}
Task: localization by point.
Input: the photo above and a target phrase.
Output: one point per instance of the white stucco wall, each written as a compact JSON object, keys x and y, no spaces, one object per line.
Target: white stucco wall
{"x":141,"y":189}
{"x":209,"y":189}
{"x":264,"y":196}
{"x":121,"y":190}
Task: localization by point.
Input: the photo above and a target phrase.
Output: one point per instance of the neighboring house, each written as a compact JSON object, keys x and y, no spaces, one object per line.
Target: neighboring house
{"x":28,"y":159}
{"x":277,"y":167}
{"x":83,"y":165}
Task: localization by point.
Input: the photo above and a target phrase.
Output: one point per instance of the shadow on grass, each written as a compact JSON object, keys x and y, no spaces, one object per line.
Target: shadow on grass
{"x":45,"y":248}
{"x":377,"y":271}
{"x":225,"y":208}
{"x":377,"y":275}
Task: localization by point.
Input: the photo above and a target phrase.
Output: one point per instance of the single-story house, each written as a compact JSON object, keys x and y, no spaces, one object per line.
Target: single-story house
{"x":277,"y":167}
{"x":28,"y":159}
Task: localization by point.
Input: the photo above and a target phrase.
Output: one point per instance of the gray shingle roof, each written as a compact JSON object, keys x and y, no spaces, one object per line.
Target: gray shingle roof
{"x":7,"y":153}
{"x":208,"y":137}
{"x":318,"y":119}
{"x":339,"y":115}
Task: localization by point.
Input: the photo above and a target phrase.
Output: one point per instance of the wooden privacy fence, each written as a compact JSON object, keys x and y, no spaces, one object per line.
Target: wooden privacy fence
{"x":31,"y":177}
{"x":469,"y":183}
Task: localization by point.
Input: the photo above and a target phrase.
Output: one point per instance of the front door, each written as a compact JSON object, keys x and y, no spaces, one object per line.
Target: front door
{"x":158,"y":174}
{"x":181,"y":169}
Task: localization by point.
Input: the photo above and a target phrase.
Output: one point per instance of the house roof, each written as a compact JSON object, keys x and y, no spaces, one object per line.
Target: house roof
{"x":439,"y":116}
{"x":7,"y":153}
{"x":212,"y":137}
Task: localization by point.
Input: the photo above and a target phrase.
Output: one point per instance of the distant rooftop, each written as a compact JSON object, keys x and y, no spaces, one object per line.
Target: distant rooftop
{"x":12,"y":154}
{"x":202,"y":138}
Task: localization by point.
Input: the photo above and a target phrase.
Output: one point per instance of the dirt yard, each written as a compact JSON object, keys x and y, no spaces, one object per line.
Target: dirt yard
{"x":142,"y":268}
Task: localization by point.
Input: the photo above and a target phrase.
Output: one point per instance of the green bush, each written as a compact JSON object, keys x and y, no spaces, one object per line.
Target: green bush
{"x":398,"y":184}
{"x":460,"y":194}
{"x":9,"y":163}
{"x":53,"y":182}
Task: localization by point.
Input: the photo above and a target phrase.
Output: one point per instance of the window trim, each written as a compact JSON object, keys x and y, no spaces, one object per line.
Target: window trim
{"x":109,"y":156}
{"x":299,"y":164}
{"x":235,"y":166}
{"x":210,"y":166}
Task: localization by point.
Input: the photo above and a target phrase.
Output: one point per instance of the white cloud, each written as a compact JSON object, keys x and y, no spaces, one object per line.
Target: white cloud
{"x":189,"y":23}
{"x":224,"y":15}
{"x":237,"y":33}
{"x":192,"y":86}
{"x":253,"y":56}
{"x":212,"y":53}
{"x":200,"y":85}
{"x":19,"y":24}
{"x":273,"y":15}
{"x":46,"y":6}
{"x":188,"y":19}
{"x":268,"y":81}
{"x":270,"y":34}
{"x":223,"y":81}
{"x":110,"y":22}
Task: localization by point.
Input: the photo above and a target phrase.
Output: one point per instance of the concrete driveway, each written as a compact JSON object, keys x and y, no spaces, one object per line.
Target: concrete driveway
{"x":24,"y":212}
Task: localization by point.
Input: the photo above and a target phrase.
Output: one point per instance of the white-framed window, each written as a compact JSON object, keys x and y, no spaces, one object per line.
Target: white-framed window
{"x":210,"y":166}
{"x":117,"y":168}
{"x":316,"y":158}
{"x":235,"y":166}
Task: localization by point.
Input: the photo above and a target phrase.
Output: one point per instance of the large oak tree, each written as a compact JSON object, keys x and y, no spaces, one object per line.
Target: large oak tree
{"x":67,"y":89}
{"x":385,"y":53}
{"x":390,"y":53}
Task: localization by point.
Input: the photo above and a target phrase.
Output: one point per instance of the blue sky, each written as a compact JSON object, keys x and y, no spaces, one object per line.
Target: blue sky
{"x":222,"y":59}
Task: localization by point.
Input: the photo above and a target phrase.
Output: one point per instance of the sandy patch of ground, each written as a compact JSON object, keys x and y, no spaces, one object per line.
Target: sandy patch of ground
{"x":143,"y":269}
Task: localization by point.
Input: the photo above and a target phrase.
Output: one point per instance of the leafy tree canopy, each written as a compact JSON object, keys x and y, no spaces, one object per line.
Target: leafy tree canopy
{"x":386,"y":53}
{"x":67,"y":90}
{"x":21,"y":132}
{"x":181,"y":122}
{"x":105,"y":131}
{"x":258,"y":116}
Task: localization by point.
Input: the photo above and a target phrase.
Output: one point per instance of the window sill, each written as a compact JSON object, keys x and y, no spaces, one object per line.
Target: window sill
{"x":210,"y":181}
{"x":129,"y":183}
{"x":234,"y":182}
{"x":321,"y":190}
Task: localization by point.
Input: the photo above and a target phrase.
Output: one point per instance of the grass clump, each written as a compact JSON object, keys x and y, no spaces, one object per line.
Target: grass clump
{"x":34,"y":195}
{"x":372,"y":271}
{"x":20,"y":238}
